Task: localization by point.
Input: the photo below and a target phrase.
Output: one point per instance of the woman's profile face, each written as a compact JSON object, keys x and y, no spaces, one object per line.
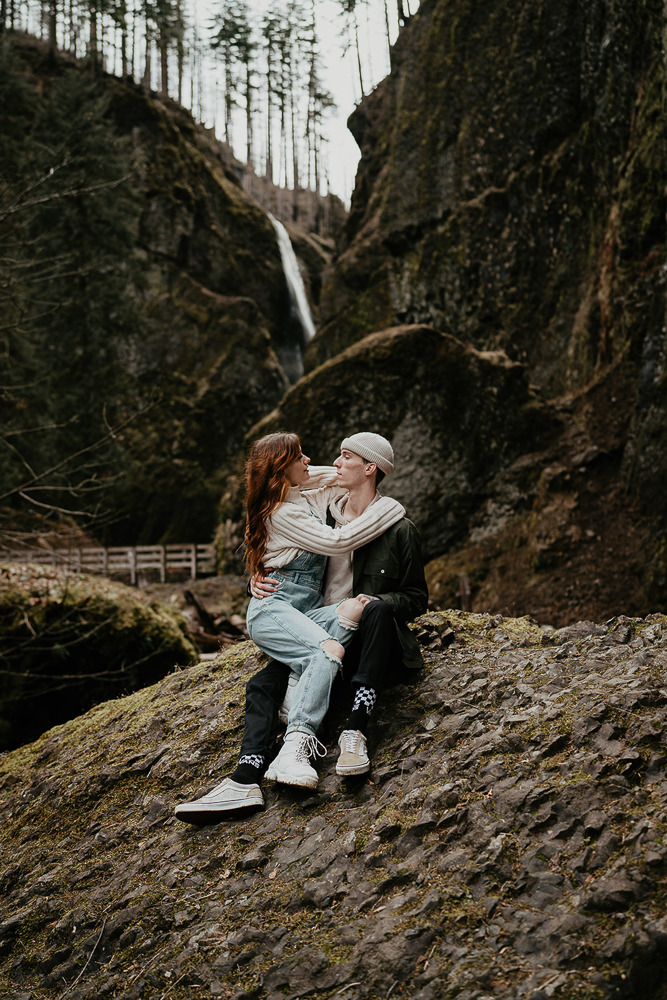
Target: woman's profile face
{"x":297,"y":471}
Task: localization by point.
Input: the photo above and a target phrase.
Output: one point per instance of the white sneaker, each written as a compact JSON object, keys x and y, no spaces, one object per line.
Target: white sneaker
{"x":291,"y":766}
{"x":228,"y":796}
{"x":353,"y":757}
{"x":288,"y":700}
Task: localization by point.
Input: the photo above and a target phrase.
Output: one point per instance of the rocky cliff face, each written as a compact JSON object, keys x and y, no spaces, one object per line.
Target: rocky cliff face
{"x":511,"y":194}
{"x":511,"y":186}
{"x":508,"y":843}
{"x":219,"y":346}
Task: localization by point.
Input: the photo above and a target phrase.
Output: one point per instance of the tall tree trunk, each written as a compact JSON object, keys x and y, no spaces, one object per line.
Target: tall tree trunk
{"x":94,"y":65}
{"x":295,"y":149}
{"x":101,"y":47}
{"x":192,"y":81}
{"x":316,"y":163}
{"x":70,"y":28}
{"x":164,"y":66}
{"x":146,"y":79}
{"x":248,"y":112}
{"x":228,"y":92}
{"x":269,"y":122}
{"x":386,"y":22}
{"x":134,"y":42}
{"x":356,"y":39}
{"x":283,"y":117}
{"x":3,"y":16}
{"x":124,"y":68}
{"x":123,"y":43}
{"x":179,"y":50}
{"x":53,"y":43}
{"x":312,"y":79}
{"x":193,"y":68}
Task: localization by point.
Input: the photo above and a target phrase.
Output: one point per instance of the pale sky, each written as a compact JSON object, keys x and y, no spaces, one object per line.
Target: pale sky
{"x":340,"y":76}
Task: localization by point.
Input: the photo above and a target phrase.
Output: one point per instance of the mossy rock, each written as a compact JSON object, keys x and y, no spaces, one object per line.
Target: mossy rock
{"x":70,"y":641}
{"x":455,"y":417}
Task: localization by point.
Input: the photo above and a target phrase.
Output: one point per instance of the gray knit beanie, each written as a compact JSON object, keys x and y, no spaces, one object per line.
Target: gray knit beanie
{"x":372,"y":447}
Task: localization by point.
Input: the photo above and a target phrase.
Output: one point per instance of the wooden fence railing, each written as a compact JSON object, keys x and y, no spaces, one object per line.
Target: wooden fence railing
{"x":197,"y":560}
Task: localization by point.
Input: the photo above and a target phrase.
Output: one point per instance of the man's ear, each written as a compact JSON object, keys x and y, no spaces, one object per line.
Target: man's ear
{"x":371,"y":469}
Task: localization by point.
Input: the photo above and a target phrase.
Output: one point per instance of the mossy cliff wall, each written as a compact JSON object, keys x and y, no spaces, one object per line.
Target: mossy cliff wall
{"x":511,"y":190}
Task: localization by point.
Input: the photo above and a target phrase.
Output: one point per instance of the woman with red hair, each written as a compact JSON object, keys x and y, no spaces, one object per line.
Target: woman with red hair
{"x":287,"y":535}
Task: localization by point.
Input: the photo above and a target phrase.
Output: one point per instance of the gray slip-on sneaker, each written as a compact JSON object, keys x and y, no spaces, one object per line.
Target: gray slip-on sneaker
{"x":353,"y":758}
{"x":227,"y":797}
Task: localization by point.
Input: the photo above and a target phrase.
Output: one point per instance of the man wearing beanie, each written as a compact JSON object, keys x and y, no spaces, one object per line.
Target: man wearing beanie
{"x":388,"y":572}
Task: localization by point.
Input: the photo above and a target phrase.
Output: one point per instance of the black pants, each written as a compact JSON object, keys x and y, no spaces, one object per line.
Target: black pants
{"x":373,"y":658}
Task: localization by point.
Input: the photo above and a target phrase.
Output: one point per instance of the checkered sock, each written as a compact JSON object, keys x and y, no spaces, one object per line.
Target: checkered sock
{"x":249,"y":770}
{"x":362,"y":706}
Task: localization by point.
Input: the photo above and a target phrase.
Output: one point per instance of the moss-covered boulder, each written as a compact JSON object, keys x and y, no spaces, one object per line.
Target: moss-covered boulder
{"x":509,"y":841}
{"x":70,"y":641}
{"x":511,"y":188}
{"x":454,"y":415}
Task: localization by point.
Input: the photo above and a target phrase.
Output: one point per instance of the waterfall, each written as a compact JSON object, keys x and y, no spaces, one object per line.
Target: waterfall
{"x":294,"y":280}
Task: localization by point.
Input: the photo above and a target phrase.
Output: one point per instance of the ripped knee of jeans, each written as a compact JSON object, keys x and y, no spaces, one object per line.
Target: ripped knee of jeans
{"x":349,"y":613}
{"x":334,"y":650}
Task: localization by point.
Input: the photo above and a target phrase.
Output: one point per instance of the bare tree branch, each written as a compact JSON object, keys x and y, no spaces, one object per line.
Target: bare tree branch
{"x":12,"y":210}
{"x":77,"y":454}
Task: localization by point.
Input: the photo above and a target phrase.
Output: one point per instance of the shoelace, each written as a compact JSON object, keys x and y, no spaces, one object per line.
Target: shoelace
{"x":352,"y":741}
{"x":309,"y":746}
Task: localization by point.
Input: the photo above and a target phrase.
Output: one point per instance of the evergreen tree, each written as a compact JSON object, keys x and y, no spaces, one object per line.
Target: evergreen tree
{"x":230,"y":26}
{"x":349,"y":10}
{"x":233,"y":37}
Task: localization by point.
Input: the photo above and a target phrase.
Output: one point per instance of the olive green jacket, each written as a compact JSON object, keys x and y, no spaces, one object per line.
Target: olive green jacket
{"x":391,"y":567}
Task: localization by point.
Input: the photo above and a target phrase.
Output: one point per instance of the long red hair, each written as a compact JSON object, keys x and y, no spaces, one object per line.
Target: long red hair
{"x":266,"y":487}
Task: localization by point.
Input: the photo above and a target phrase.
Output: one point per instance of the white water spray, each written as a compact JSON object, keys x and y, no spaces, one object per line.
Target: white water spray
{"x":294,"y":279}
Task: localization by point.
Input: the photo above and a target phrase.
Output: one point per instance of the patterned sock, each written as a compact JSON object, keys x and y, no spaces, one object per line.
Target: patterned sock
{"x":249,"y":770}
{"x":364,"y":702}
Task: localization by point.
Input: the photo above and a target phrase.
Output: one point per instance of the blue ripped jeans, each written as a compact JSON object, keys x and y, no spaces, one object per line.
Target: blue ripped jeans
{"x":291,"y":626}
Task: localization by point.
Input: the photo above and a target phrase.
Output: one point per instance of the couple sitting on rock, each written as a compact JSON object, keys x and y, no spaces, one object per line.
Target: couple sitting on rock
{"x":297,"y":517}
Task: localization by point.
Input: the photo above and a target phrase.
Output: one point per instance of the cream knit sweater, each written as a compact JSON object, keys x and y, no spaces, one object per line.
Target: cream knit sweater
{"x":293,"y":529}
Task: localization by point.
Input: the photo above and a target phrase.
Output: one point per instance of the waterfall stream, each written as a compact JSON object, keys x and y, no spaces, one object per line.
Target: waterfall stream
{"x":294,"y":280}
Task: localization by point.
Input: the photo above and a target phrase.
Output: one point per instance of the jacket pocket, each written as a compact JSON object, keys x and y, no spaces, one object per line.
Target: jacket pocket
{"x":385,"y":569}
